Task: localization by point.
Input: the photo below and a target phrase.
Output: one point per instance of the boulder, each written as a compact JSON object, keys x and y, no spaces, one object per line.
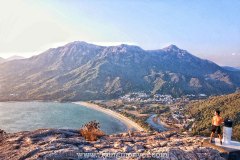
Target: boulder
{"x":127,"y":148}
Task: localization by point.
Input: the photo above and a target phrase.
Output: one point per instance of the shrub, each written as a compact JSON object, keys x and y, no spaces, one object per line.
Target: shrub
{"x":91,"y":131}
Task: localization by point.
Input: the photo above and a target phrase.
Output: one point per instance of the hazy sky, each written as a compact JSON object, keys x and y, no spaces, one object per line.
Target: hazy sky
{"x":207,"y":28}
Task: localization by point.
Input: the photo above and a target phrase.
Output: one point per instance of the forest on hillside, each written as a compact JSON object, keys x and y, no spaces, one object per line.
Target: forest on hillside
{"x":203,"y":111}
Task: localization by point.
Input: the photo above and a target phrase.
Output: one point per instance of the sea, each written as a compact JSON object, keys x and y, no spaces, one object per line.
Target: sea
{"x":27,"y":116}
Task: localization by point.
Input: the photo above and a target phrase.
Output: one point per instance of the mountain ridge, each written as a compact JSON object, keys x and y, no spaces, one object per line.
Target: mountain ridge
{"x":231,"y":68}
{"x":15,"y":57}
{"x":11,"y":58}
{"x":83,"y":71}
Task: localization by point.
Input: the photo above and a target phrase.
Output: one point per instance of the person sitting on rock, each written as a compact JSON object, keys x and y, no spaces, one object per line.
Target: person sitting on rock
{"x":217,"y":120}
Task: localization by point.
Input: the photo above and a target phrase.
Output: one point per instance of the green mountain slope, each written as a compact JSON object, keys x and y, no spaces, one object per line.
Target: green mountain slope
{"x":203,"y":111}
{"x":82,"y":71}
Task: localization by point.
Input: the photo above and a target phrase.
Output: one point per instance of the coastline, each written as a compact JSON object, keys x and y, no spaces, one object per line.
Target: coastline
{"x":129,"y":123}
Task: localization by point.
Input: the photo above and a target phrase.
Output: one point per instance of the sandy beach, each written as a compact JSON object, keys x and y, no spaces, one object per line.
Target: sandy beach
{"x":129,"y":123}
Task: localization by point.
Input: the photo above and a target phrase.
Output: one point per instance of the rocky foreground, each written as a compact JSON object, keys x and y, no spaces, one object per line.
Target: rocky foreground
{"x":63,"y":144}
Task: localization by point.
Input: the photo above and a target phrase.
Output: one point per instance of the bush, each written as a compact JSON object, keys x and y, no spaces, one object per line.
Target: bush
{"x":91,"y":131}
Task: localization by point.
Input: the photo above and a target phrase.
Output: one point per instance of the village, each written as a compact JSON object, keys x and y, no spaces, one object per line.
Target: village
{"x":156,"y":111}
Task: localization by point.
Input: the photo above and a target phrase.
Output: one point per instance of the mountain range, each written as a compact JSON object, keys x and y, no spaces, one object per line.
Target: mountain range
{"x":231,"y":68}
{"x":83,"y":71}
{"x":10,"y":58}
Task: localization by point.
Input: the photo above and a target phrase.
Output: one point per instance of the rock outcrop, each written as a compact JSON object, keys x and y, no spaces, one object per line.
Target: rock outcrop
{"x":62,"y":144}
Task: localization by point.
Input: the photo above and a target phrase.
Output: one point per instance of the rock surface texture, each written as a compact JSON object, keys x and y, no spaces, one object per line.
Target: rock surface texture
{"x":67,"y":144}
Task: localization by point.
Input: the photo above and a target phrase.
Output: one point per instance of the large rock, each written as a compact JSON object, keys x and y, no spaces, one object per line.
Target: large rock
{"x":64,"y":144}
{"x":127,"y":148}
{"x":118,"y":145}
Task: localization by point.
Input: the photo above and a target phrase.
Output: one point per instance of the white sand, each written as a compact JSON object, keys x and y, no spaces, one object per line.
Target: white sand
{"x":129,"y":123}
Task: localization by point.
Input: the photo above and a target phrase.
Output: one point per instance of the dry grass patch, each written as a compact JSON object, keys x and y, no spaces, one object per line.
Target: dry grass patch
{"x":91,"y":131}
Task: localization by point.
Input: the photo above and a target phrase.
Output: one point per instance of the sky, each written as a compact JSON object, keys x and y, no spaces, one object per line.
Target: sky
{"x":209,"y":29}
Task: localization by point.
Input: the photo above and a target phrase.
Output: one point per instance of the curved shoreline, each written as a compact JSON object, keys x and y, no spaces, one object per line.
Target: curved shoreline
{"x":129,"y":123}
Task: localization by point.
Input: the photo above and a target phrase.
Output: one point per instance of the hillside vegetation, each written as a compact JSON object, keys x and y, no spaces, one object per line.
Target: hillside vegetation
{"x":83,"y":71}
{"x":202,"y":111}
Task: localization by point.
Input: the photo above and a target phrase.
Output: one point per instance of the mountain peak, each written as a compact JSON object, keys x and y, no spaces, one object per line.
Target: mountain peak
{"x":15,"y":57}
{"x":124,"y":48}
{"x":130,"y":47}
{"x":172,"y":47}
{"x":79,"y":44}
{"x":82,"y":43}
